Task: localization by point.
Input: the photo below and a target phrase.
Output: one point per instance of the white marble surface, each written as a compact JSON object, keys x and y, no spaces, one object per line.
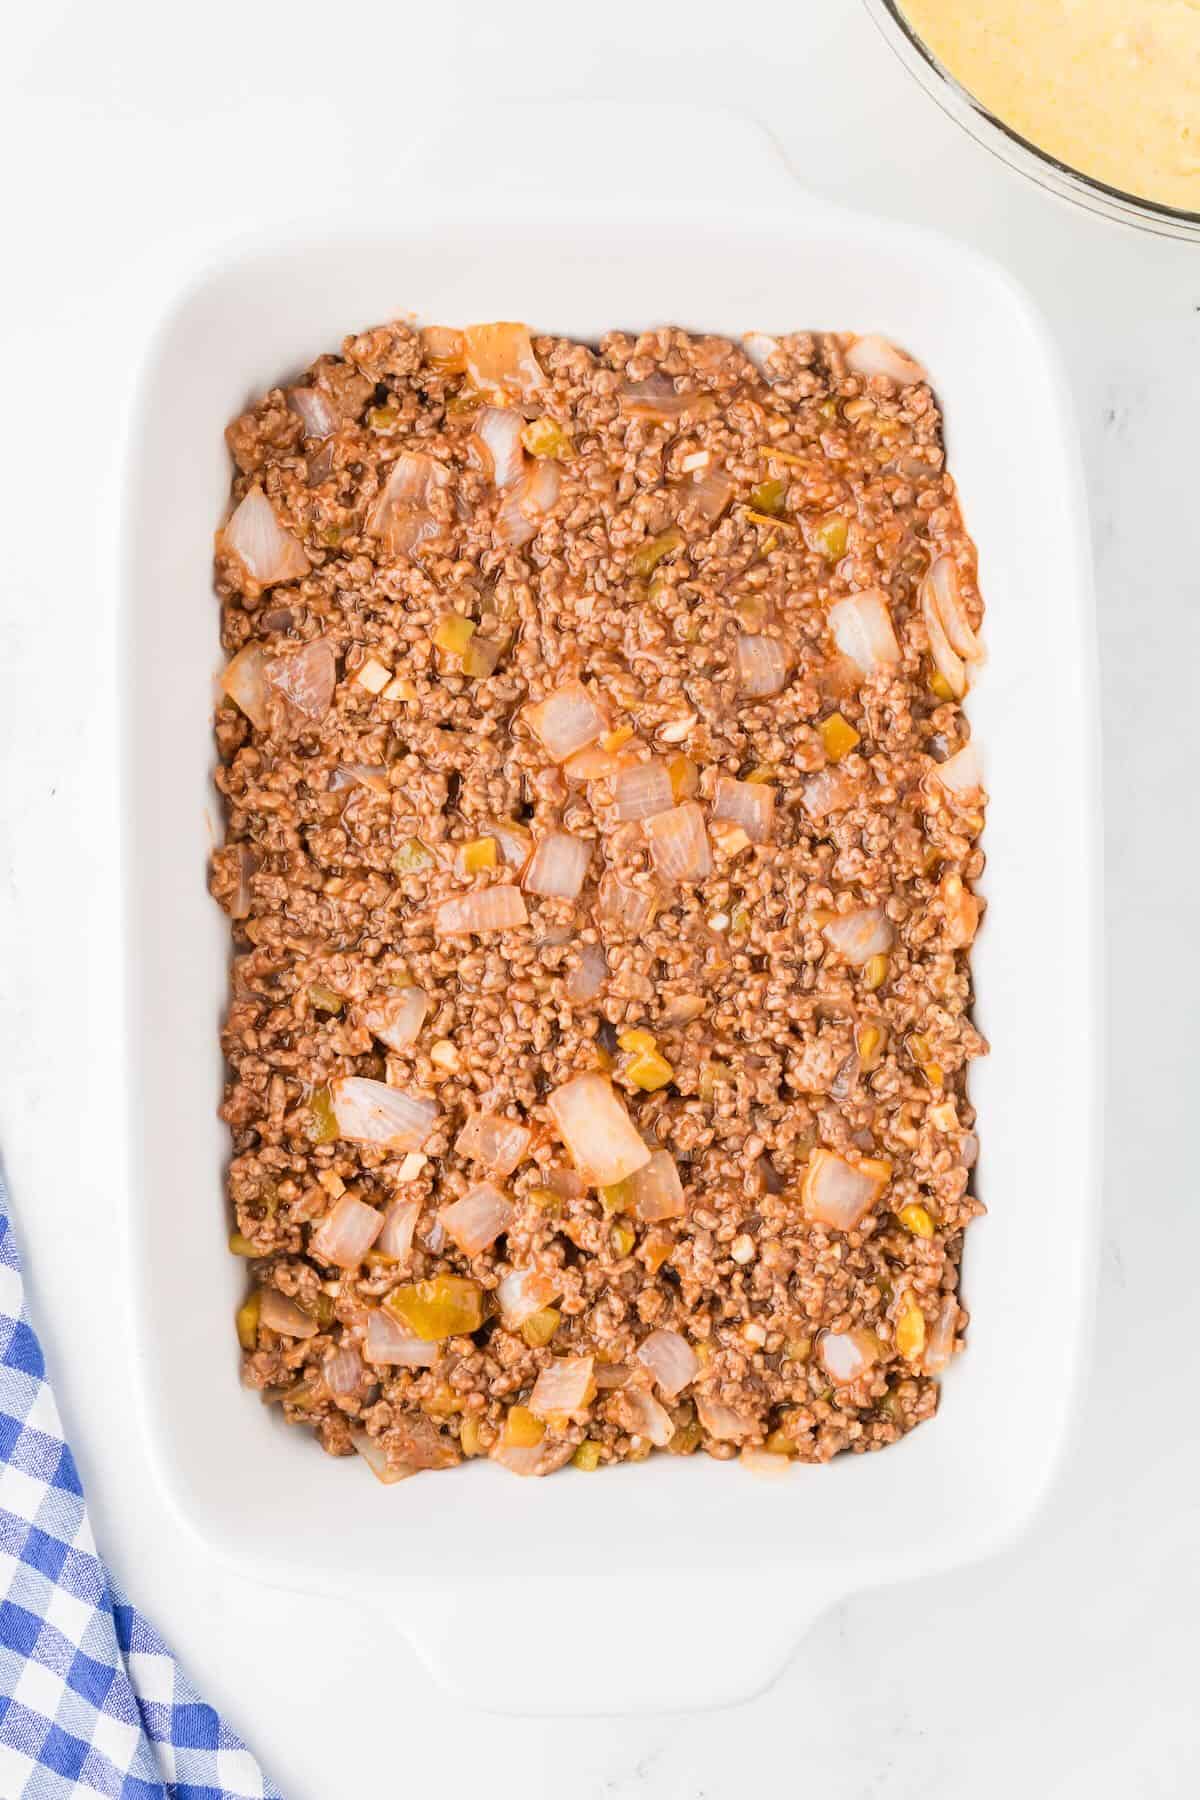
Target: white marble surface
{"x":1064,"y":1668}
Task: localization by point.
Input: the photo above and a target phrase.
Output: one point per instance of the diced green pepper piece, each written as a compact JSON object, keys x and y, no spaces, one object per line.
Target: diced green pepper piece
{"x":767,"y":497}
{"x":647,"y":557}
{"x":324,"y":1119}
{"x":411,"y":858}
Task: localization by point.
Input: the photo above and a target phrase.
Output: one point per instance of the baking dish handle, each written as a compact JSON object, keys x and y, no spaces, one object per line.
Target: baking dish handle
{"x":609,"y":159}
{"x":614,"y":1644}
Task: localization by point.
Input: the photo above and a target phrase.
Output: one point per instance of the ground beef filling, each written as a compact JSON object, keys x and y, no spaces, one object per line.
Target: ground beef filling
{"x":600,"y":840}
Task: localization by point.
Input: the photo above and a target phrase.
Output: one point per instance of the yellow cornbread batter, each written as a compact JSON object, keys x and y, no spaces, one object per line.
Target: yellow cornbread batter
{"x":1111,"y":87}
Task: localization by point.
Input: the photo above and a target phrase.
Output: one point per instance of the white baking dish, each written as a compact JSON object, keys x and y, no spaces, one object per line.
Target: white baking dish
{"x":675,"y":1582}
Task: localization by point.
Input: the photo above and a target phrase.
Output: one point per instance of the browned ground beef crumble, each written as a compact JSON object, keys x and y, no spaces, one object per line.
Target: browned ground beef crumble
{"x":700,"y":500}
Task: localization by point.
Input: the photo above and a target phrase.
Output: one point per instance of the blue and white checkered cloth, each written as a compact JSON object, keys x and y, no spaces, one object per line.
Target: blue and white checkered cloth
{"x":91,"y":1699}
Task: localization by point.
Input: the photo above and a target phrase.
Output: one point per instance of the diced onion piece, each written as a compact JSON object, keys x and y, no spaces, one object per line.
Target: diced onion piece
{"x":838,"y":1194}
{"x":858,"y":936}
{"x":247,"y":864}
{"x":396,"y":1019}
{"x":939,"y":1345}
{"x":371,"y":1112}
{"x":566,"y":720}
{"x":533,"y":1460}
{"x":642,"y":1415}
{"x":656,"y":1191}
{"x":376,"y":1459}
{"x":496,"y":1142}
{"x":589,"y":976}
{"x":477,"y":1219}
{"x":846,"y":1355}
{"x":750,"y":804}
{"x":343,"y":1370}
{"x":641,"y":790}
{"x":369,"y":775}
{"x":563,"y":1386}
{"x":314,"y":410}
{"x":862,"y":630}
{"x":655,"y":398}
{"x":872,"y":355}
{"x":347,"y":1234}
{"x":724,"y":1422}
{"x":523,"y":1293}
{"x":488,"y":909}
{"x":710,"y":493}
{"x":559,"y":866}
{"x":762,"y":665}
{"x":498,"y":430}
{"x":400,"y":515}
{"x":597,"y":1130}
{"x":260,"y":543}
{"x":942,"y":585}
{"x":831,"y":790}
{"x":679,"y":845}
{"x":670,"y":1359}
{"x":280,"y":1314}
{"x":306,"y":679}
{"x":630,"y":907}
{"x":961,"y":774}
{"x":500,"y":360}
{"x":946,"y":661}
{"x":399,"y":1224}
{"x":388,"y":1341}
{"x":514,"y":841}
{"x":767,"y":1465}
{"x":244,"y":681}
{"x":760,"y":349}
{"x":519,"y":516}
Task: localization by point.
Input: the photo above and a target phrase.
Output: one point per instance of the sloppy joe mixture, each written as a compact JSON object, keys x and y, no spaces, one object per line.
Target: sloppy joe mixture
{"x":601,"y":830}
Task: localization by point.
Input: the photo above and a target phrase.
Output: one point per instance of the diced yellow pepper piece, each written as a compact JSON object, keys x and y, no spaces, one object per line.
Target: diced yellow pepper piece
{"x":521,"y":1430}
{"x":686,"y":1439}
{"x":382,"y":418}
{"x":940,"y":686}
{"x":934,"y":1074}
{"x":616,"y":1198}
{"x":638,"y":1039}
{"x":379,"y":1259}
{"x":647,"y":556}
{"x":241,"y":1246}
{"x":838,"y":736}
{"x":325,"y":999}
{"x":246,"y":1320}
{"x":444,"y":1306}
{"x":650,"y":1071}
{"x":587,"y":1455}
{"x":685,"y":778}
{"x":767,"y":497}
{"x":453,"y":633}
{"x":443,"y":1402}
{"x":799,"y":1349}
{"x":614,"y":740}
{"x":479,"y":854}
{"x":869,"y":1041}
{"x":875,"y":972}
{"x":411,"y":858}
{"x":918,"y":1048}
{"x":910,"y":1331}
{"x":757,"y":518}
{"x":623,"y":1239}
{"x":468,"y":1437}
{"x":916,"y":1219}
{"x":764,"y":772}
{"x":324,"y":1121}
{"x":480,"y":657}
{"x":538,"y":1330}
{"x":778,"y":1443}
{"x":655,"y":1250}
{"x":545,"y":1199}
{"x":828,"y":536}
{"x":546,"y":437}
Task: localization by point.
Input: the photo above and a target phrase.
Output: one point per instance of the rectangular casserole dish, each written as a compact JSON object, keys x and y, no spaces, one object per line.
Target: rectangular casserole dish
{"x":725,"y":1570}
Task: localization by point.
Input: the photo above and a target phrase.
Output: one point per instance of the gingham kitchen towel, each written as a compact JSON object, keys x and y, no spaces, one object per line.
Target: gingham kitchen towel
{"x":91,"y":1699}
